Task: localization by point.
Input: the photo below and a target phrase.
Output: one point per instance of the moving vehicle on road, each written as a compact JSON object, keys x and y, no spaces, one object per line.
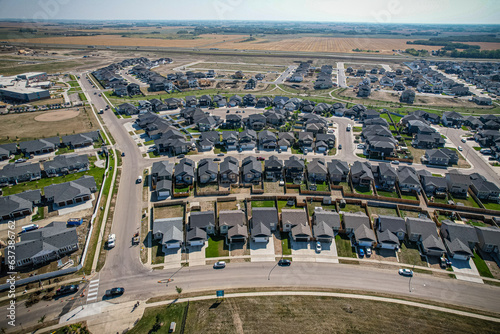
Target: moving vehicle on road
{"x":406,"y":272}
{"x":29,"y":227}
{"x":340,"y":146}
{"x":460,"y":148}
{"x":220,"y":265}
{"x":284,"y":263}
{"x":114,"y":292}
{"x":66,"y":290}
{"x":463,"y":140}
{"x":349,"y":127}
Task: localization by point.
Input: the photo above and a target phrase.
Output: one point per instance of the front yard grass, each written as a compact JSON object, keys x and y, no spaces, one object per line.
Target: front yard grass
{"x":157,"y":252}
{"x":344,"y":248}
{"x":481,"y":266}
{"x":285,"y":244}
{"x":409,"y":254}
{"x":216,"y":247}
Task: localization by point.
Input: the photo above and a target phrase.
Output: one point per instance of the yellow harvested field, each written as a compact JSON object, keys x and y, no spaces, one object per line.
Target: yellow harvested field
{"x":332,"y":44}
{"x":113,"y":40}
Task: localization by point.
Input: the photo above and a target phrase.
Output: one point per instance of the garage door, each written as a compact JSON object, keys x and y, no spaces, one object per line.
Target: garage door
{"x":460,"y":257}
{"x":262,"y":239}
{"x":164,"y":193}
{"x":174,"y":245}
{"x":387,"y":246}
{"x":365,"y":243}
{"x":197,"y":243}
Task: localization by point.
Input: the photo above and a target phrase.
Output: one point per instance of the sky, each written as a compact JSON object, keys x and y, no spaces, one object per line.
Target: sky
{"x":376,"y":11}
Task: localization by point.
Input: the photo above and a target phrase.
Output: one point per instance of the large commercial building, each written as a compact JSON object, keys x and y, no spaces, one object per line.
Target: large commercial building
{"x":33,"y":76}
{"x":23,"y":94}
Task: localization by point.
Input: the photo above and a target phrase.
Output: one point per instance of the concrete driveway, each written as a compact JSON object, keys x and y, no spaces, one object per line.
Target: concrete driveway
{"x":465,"y":267}
{"x":306,"y":252}
{"x":173,"y":257}
{"x":197,"y":255}
{"x":261,"y":252}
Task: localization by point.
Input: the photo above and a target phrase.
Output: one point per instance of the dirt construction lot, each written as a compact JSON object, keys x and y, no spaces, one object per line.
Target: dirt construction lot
{"x":43,"y":124}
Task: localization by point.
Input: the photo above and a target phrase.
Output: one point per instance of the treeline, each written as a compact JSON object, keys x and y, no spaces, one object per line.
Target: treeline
{"x":471,"y":53}
{"x":490,"y":38}
{"x":416,"y":53}
{"x":445,"y":45}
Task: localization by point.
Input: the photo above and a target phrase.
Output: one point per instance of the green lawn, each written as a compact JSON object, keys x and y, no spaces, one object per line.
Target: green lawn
{"x":157,"y":252}
{"x":158,"y":319}
{"x":64,"y":150}
{"x":352,"y":208}
{"x":469,"y":201}
{"x":410,"y":255}
{"x":481,"y":266}
{"x":322,"y":186}
{"x":383,"y":193}
{"x":181,"y":190}
{"x":96,"y":172}
{"x":477,"y":148}
{"x":153,"y":154}
{"x":262,"y":204}
{"x":282,"y":205}
{"x":491,"y":205}
{"x":344,"y":248}
{"x":82,"y":97}
{"x":149,"y":142}
{"x":40,"y":214}
{"x":363,"y":190}
{"x":285,"y":244}
{"x":219,"y":149}
{"x":216,"y":247}
{"x":345,"y":186}
{"x":408,"y":196}
{"x":476,"y":223}
{"x":382,"y":211}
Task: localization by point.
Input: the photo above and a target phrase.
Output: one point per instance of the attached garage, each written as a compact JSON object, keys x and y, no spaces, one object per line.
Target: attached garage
{"x":261,"y":239}
{"x":173,"y":245}
{"x":460,"y":257}
{"x":197,"y":243}
{"x":387,"y":246}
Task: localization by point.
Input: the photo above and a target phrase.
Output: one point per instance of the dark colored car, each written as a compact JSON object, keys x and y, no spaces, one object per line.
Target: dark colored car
{"x":260,"y":158}
{"x":284,"y":262}
{"x":66,"y":289}
{"x":114,"y":292}
{"x":180,"y":156}
{"x":217,"y":159}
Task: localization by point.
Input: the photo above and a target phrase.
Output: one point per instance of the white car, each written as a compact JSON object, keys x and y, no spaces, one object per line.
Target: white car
{"x":406,"y":272}
{"x":368,"y":251}
{"x":361,"y":146}
{"x":460,"y":148}
{"x":111,"y":241}
{"x":318,"y":247}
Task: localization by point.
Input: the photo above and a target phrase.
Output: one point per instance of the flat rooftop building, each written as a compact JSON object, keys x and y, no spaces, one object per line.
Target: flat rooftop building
{"x":24,"y":94}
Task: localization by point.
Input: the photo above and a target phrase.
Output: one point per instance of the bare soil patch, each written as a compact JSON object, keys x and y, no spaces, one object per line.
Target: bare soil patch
{"x":59,"y":115}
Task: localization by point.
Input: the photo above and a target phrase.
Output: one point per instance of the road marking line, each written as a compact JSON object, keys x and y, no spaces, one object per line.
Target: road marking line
{"x":92,"y":294}
{"x":93,"y":284}
{"x":93,"y":298}
{"x":93,"y":290}
{"x":94,"y":281}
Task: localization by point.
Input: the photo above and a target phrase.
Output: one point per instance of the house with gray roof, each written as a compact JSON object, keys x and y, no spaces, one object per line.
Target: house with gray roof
{"x":358,"y":225}
{"x":317,"y":170}
{"x":264,"y":221}
{"x":452,"y":118}
{"x":387,"y":176}
{"x":408,"y":180}
{"x":72,"y":192}
{"x":39,"y":146}
{"x":22,"y":172}
{"x":229,"y":171}
{"x":459,"y":239}
{"x":267,"y":140}
{"x":361,"y":173}
{"x":294,"y":169}
{"x":458,"y":183}
{"x":338,"y":170}
{"x":424,"y":232}
{"x":441,"y":157}
{"x":161,"y":175}
{"x":184,"y":172}
{"x":6,"y":150}
{"x":208,"y":171}
{"x":233,"y":224}
{"x":273,"y":168}
{"x":47,"y":244}
{"x":484,"y":189}
{"x":296,"y":222}
{"x":169,"y":231}
{"x":489,"y":239}
{"x":251,"y":170}
{"x":390,"y":231}
{"x":19,"y":205}
{"x":66,"y":164}
{"x":200,"y":223}
{"x":326,"y":225}
{"x":434,"y":185}
{"x":81,"y":139}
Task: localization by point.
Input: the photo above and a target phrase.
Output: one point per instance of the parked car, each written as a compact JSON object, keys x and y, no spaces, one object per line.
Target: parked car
{"x":260,"y":158}
{"x":220,"y":265}
{"x":180,"y":156}
{"x":111,"y":241}
{"x":217,"y":159}
{"x":361,"y":252}
{"x":284,"y":262}
{"x":66,"y":290}
{"x":361,"y":146}
{"x":463,"y":140}
{"x":368,"y":251}
{"x":20,"y":160}
{"x":460,"y":148}
{"x":340,"y":146}
{"x":123,"y":154}
{"x":220,"y":154}
{"x":395,"y":162}
{"x":114,"y":292}
{"x":406,"y":272}
{"x":227,"y":112}
{"x":318,"y":247}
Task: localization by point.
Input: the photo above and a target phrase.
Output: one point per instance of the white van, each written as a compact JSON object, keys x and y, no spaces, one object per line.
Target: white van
{"x":29,"y":227}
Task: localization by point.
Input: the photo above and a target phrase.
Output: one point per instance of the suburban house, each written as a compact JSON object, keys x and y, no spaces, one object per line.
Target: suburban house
{"x":66,"y":164}
{"x":317,"y":170}
{"x":434,"y":185}
{"x":267,"y":140}
{"x":233,"y":121}
{"x":264,"y":221}
{"x":294,"y":169}
{"x":296,"y":222}
{"x":489,"y":239}
{"x":459,"y":239}
{"x":200,"y":223}
{"x":39,"y":146}
{"x":6,"y":150}
{"x":408,"y":180}
{"x":432,"y":140}
{"x":273,"y":168}
{"x":19,"y":205}
{"x":251,"y":170}
{"x":127,"y":109}
{"x":424,"y":232}
{"x":230,"y":140}
{"x":338,"y":170}
{"x":306,"y":141}
{"x":161,"y":175}
{"x":229,"y":171}
{"x":247,"y":139}
{"x":170,"y":231}
{"x":72,"y":192}
{"x":47,"y":244}
{"x":390,"y":231}
{"x":484,"y":189}
{"x":387,"y":176}
{"x":358,"y":225}
{"x":452,"y":118}
{"x":326,"y":225}
{"x":81,"y":139}
{"x":285,"y":140}
{"x":208,"y":171}
{"x":184,"y":172}
{"x":233,"y":224}
{"x":441,"y":157}
{"x":458,"y":183}
{"x":361,"y":173}
{"x":16,"y":173}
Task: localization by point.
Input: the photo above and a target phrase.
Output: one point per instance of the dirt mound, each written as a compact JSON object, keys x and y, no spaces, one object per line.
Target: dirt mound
{"x":55,"y":116}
